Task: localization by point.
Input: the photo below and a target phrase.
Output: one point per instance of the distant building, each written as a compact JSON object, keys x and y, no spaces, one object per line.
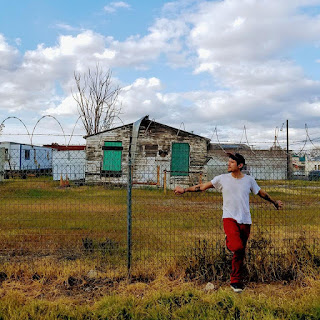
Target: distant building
{"x":22,"y":159}
{"x":303,"y":164}
{"x":261,"y":164}
{"x":68,"y":161}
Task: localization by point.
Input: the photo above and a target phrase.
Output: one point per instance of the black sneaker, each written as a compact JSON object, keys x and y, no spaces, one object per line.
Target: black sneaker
{"x":237,"y":287}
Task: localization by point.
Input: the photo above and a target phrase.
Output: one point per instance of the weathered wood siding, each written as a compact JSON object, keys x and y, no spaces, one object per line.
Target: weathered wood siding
{"x":153,"y":155}
{"x":94,"y":154}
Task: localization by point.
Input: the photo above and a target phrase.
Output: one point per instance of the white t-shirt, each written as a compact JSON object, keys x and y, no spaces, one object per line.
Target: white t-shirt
{"x":235,"y":193}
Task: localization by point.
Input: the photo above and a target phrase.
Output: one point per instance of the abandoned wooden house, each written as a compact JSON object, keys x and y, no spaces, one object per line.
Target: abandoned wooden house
{"x":165,"y":156}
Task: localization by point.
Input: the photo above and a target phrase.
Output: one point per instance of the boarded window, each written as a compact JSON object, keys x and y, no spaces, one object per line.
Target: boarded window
{"x":180,"y":159}
{"x":151,"y":150}
{"x":27,"y":154}
{"x":112,"y":153}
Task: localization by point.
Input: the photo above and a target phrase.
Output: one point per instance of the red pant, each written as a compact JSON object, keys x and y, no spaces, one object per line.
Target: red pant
{"x":237,"y":237}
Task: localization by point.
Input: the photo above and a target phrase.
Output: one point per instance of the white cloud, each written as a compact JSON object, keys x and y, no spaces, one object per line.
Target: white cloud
{"x":67,"y":107}
{"x":236,"y":30}
{"x":163,"y":37}
{"x":141,"y":98}
{"x":107,"y":54}
{"x":18,"y":41}
{"x":113,"y":6}
{"x":311,"y":109}
{"x":120,"y":4}
{"x":8,"y":55}
{"x":244,"y":45}
{"x":65,"y":27}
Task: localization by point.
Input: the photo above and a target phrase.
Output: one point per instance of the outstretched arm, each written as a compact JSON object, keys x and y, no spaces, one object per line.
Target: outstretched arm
{"x":264,"y":195}
{"x":196,"y":188}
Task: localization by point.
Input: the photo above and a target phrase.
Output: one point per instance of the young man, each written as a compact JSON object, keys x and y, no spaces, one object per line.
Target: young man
{"x":235,"y":187}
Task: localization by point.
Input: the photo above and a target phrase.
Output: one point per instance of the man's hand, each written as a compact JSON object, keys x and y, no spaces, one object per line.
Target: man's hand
{"x":264,"y":195}
{"x":278,"y":204}
{"x":178,"y":190}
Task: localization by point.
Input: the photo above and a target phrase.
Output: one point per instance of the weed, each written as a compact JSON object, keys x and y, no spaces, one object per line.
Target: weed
{"x":264,"y":262}
{"x":206,"y":262}
{"x":104,"y":248}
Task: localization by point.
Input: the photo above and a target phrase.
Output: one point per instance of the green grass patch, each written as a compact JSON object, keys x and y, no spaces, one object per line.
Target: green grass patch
{"x":189,"y":304}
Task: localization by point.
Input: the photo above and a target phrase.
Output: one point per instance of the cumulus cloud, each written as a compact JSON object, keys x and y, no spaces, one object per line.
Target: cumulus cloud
{"x":67,"y":107}
{"x":142,"y":98}
{"x":244,"y":45}
{"x":31,"y":82}
{"x":137,"y":51}
{"x":8,"y":55}
{"x":234,"y":31}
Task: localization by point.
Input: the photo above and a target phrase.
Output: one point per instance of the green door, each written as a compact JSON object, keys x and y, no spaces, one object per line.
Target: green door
{"x":112,"y":156}
{"x":180,"y":159}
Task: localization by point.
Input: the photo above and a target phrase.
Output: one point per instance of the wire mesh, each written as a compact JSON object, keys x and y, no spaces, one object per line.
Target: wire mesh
{"x":72,"y":204}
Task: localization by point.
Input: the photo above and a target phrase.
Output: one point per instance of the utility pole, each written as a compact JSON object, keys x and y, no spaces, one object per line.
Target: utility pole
{"x":288,"y":155}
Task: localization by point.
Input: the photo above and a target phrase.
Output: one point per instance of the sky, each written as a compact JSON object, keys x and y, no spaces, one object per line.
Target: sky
{"x":231,"y":70}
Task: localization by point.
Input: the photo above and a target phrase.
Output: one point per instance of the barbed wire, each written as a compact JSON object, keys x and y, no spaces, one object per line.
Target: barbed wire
{"x":43,"y":134}
{"x":244,"y":136}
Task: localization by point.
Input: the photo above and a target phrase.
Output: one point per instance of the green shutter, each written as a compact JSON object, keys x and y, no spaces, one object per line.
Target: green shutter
{"x":180,"y":159}
{"x":112,"y":158}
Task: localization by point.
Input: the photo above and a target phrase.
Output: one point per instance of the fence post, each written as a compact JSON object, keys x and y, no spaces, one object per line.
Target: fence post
{"x":129,"y":217}
{"x":288,"y":155}
{"x":200,"y":178}
{"x":131,"y":158}
{"x":2,"y":158}
{"x":158,"y":176}
{"x":165,"y":181}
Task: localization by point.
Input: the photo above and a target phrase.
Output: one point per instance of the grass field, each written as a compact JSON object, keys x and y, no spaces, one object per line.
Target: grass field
{"x":63,"y":254}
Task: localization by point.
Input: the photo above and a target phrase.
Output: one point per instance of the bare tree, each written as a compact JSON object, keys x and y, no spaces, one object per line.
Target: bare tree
{"x":97,"y":99}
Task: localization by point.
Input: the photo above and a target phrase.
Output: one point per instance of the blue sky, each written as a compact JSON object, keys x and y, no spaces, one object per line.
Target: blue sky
{"x":209,"y":64}
{"x":42,"y":21}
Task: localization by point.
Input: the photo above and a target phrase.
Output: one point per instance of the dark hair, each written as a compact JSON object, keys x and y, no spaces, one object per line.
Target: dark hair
{"x":237,"y":157}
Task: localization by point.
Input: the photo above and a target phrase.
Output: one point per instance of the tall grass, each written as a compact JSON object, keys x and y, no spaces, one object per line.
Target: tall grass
{"x":264,"y":263}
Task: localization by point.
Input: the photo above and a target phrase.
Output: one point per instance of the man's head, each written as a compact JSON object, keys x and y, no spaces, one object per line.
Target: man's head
{"x":236,"y":162}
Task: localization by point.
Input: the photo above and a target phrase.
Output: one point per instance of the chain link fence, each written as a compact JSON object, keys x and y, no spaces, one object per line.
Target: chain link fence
{"x":72,"y":203}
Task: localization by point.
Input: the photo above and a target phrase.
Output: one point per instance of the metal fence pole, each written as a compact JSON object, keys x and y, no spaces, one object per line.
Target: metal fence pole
{"x":132,"y":154}
{"x":2,"y":157}
{"x":288,"y":155}
{"x":129,"y":217}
